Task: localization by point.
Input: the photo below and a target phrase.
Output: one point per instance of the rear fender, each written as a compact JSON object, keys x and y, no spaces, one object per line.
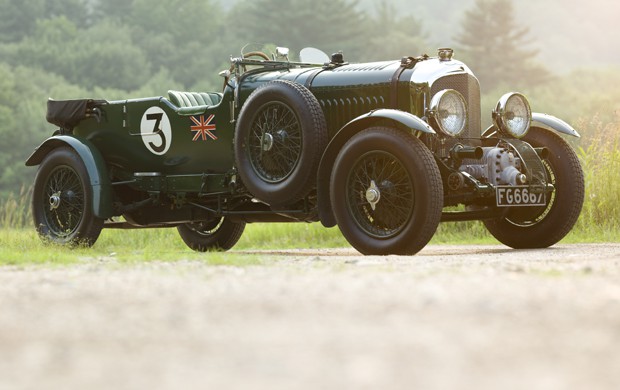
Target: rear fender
{"x":387,"y":117}
{"x":95,"y":166}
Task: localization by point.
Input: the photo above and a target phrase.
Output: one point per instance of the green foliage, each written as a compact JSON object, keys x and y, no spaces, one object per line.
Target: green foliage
{"x":404,"y":37}
{"x":177,"y":35}
{"x":117,"y":11}
{"x":495,"y":46}
{"x":586,"y":97}
{"x":601,"y":164}
{"x":22,"y":120}
{"x":331,"y":25}
{"x":15,"y":210}
{"x":82,"y":56}
{"x":19,"y":19}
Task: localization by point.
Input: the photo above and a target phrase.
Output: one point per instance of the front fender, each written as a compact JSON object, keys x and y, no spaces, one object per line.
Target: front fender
{"x":544,"y":121}
{"x":550,"y":122}
{"x":95,"y":166}
{"x":396,"y":117}
{"x":388,"y":117}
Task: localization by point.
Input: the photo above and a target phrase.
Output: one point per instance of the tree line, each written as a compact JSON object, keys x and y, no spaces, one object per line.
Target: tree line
{"x":114,"y":49}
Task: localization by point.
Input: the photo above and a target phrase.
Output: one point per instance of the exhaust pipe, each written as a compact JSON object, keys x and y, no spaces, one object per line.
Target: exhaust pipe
{"x":460,"y":152}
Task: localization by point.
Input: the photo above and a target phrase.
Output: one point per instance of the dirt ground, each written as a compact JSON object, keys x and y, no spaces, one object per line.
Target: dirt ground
{"x":452,"y":317}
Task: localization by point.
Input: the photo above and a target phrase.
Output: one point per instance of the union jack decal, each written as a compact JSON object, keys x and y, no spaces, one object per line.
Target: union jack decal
{"x":203,"y":128}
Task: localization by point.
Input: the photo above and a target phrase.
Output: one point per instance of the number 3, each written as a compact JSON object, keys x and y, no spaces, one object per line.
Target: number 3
{"x":156,"y":131}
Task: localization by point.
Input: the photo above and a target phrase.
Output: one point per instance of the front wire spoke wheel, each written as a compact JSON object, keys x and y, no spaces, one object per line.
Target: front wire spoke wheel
{"x":386,"y":192}
{"x":527,"y":218}
{"x":380,"y":194}
{"x":543,"y":226}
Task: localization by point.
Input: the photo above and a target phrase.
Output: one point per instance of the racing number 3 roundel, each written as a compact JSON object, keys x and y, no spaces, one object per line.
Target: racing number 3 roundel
{"x":156,"y":131}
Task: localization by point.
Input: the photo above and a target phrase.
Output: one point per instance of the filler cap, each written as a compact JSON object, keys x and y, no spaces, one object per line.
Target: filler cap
{"x":445,"y":54}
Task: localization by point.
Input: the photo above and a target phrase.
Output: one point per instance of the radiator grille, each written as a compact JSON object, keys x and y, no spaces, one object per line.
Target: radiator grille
{"x":468,"y":86}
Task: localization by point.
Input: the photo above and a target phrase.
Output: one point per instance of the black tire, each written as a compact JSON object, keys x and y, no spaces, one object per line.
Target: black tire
{"x":542,"y":227}
{"x":216,"y":235}
{"x":62,"y":206}
{"x":397,"y":171}
{"x":280,"y":137}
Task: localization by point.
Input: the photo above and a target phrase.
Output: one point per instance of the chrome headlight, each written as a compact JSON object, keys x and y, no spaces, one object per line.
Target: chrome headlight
{"x":449,"y":111}
{"x":513,"y":115}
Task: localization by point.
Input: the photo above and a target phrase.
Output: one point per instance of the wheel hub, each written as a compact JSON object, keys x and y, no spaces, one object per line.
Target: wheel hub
{"x":54,"y":201}
{"x":373,"y":195}
{"x":267,"y":142}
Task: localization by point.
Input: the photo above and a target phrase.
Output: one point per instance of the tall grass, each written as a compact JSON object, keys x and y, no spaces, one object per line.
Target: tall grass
{"x":15,"y":210}
{"x":600,"y":159}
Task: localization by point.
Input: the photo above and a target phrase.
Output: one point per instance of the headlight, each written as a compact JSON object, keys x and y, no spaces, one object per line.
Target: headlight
{"x":513,"y":115}
{"x":449,"y":111}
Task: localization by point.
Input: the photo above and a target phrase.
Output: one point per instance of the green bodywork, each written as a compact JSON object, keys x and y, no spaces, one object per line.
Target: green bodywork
{"x":133,"y":157}
{"x":195,"y":161}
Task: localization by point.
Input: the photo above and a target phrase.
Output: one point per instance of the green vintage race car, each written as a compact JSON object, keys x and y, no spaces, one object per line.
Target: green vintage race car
{"x":385,"y":150}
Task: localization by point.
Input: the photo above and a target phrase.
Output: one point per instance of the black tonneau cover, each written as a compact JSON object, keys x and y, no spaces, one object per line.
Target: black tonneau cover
{"x":68,"y":113}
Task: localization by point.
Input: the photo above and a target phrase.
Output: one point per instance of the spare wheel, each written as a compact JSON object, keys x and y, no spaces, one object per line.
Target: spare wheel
{"x":280,"y":137}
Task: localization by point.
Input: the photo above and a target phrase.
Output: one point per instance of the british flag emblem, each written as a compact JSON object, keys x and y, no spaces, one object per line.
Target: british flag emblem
{"x":203,"y":128}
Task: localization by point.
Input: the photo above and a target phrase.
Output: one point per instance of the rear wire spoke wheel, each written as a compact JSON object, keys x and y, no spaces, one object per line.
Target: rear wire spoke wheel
{"x":541,"y":227}
{"x":219,"y":234}
{"x":386,"y":192}
{"x":62,"y":200}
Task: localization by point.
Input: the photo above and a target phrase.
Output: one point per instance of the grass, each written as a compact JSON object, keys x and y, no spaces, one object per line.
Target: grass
{"x":23,"y":247}
{"x":19,"y":247}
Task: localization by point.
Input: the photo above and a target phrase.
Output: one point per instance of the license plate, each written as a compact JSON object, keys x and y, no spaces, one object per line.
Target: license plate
{"x":511,"y":196}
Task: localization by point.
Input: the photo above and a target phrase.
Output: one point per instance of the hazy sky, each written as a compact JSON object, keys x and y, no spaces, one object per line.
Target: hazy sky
{"x":568,"y":33}
{"x":582,"y":32}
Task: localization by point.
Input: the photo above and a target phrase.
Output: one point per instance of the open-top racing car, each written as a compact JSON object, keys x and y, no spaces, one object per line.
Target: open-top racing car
{"x":384,"y":150}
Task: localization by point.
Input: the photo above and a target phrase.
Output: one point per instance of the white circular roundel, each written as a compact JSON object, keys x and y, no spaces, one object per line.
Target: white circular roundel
{"x":156,"y":130}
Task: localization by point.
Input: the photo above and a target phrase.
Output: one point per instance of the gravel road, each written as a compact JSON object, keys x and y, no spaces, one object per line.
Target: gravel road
{"x":452,"y":317}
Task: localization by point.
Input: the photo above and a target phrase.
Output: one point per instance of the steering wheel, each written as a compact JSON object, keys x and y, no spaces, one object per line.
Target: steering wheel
{"x":257,"y":54}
